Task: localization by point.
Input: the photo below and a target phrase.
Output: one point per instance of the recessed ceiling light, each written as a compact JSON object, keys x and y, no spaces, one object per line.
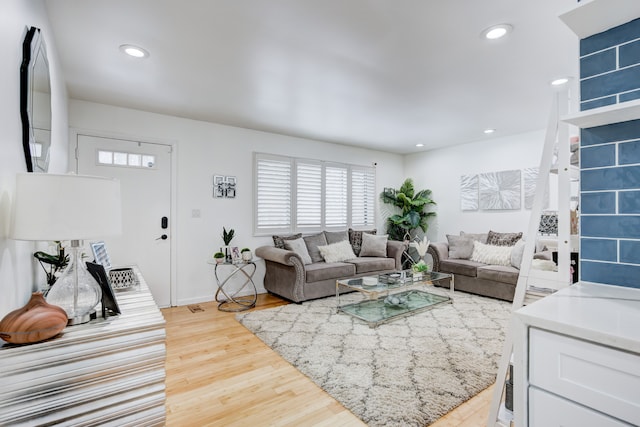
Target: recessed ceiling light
{"x":560,"y":81}
{"x":489,"y":131}
{"x":497,"y":31}
{"x":135,"y":51}
{"x":419,"y":145}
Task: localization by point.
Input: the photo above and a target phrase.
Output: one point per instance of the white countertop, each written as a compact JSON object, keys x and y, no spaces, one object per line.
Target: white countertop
{"x":605,"y":314}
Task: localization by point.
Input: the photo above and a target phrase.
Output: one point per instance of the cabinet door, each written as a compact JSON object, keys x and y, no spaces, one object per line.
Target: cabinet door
{"x":548,"y":410}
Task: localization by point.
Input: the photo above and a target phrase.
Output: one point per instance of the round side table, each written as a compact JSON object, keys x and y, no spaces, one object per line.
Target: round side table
{"x":230,"y":300}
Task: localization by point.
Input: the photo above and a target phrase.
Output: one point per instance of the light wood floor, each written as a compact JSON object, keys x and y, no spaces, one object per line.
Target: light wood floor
{"x":220,"y":374}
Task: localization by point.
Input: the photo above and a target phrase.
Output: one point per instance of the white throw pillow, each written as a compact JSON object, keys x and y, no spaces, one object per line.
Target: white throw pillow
{"x":493,"y":255}
{"x":374,"y":245}
{"x":517,"y":254}
{"x":337,"y":252}
{"x":299,"y":246}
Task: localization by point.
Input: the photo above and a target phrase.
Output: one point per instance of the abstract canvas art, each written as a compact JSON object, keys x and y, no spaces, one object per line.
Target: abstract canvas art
{"x":530,"y":178}
{"x":469,"y":192}
{"x":500,"y":190}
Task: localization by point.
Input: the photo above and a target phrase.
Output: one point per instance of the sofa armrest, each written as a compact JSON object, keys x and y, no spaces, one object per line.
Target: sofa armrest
{"x":285,"y":274}
{"x":439,"y":251}
{"x":395,"y":250}
{"x":281,"y":256}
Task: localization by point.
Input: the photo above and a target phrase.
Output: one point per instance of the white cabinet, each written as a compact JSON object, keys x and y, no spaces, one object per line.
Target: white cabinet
{"x":577,"y":358}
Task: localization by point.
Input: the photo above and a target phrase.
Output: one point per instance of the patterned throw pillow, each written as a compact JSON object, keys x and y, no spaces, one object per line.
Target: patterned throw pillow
{"x":491,"y":254}
{"x":503,"y":239}
{"x":337,"y":252}
{"x":278,"y":241}
{"x":355,"y":237}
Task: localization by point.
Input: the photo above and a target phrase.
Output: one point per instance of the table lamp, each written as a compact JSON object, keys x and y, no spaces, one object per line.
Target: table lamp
{"x":68,"y":207}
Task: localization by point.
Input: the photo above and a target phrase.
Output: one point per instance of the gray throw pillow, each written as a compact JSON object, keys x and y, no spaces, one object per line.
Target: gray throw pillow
{"x":336,"y":236}
{"x":355,"y":238}
{"x":373,"y":245}
{"x":503,"y":239}
{"x":460,"y":247}
{"x":298,"y":246}
{"x":312,"y":243}
{"x":478,"y":237}
{"x":278,"y":241}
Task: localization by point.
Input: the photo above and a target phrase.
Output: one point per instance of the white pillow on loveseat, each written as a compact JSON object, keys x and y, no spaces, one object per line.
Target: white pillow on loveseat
{"x":337,"y":252}
{"x":492,"y":255}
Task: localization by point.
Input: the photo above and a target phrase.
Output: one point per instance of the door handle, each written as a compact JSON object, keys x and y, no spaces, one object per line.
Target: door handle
{"x":163,"y":237}
{"x":164,"y":223}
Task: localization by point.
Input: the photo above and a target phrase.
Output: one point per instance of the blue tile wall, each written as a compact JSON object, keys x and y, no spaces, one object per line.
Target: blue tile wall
{"x":610,"y":274}
{"x":599,"y":249}
{"x":610,"y":160}
{"x":598,"y":203}
{"x":610,"y":66}
{"x":601,"y":155}
{"x":629,"y":153}
{"x":623,"y":131}
{"x":630,"y":252}
{"x":629,"y":202}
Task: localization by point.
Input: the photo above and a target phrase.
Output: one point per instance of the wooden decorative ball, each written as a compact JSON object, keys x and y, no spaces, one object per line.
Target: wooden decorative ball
{"x":36,"y":321}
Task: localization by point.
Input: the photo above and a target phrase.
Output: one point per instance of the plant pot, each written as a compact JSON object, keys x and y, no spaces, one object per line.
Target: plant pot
{"x":219,"y":260}
{"x":247,"y":256}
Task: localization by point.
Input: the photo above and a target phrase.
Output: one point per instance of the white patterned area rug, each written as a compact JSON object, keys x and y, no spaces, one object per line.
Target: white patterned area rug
{"x":408,"y":372}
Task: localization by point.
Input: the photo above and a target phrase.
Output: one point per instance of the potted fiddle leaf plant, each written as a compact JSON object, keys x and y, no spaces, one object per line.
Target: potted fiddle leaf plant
{"x":412,"y":209}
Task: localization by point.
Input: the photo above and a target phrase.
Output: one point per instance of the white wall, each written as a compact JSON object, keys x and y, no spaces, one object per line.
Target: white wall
{"x":19,"y":273}
{"x":207,"y":149}
{"x":440,"y":171}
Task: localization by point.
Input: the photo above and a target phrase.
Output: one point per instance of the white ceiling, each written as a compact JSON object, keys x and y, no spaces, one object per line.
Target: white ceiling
{"x":383,"y":74}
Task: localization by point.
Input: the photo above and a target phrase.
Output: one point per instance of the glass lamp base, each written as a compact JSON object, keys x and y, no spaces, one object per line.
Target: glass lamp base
{"x":79,"y":320}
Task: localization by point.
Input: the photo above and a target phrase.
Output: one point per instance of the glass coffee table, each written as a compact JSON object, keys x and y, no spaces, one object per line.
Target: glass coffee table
{"x":391,"y":296}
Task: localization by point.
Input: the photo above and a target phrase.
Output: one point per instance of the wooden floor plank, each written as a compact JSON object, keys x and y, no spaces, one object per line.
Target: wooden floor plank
{"x":220,"y":374}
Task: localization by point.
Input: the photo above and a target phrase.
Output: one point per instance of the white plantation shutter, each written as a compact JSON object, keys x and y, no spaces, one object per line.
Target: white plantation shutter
{"x":308,"y":195}
{"x":301,"y":195}
{"x":273,"y":194}
{"x":336,"y":196}
{"x":363,"y":196}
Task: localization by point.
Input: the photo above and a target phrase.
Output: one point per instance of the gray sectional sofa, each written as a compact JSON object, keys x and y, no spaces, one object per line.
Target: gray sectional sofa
{"x":289,"y":276}
{"x":496,"y":281}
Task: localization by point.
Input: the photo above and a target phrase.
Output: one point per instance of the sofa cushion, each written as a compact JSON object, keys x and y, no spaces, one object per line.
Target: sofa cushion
{"x":371,"y":264}
{"x":312,"y":243}
{"x":278,"y":241}
{"x":337,"y":252}
{"x":478,"y":237}
{"x":355,"y":238}
{"x":336,"y":236}
{"x":503,"y":239}
{"x":323,"y":271}
{"x":298,"y":246}
{"x":373,"y":245}
{"x":517,"y":254}
{"x":499,"y":273}
{"x":460,"y":266}
{"x":460,"y":247}
{"x":491,"y":254}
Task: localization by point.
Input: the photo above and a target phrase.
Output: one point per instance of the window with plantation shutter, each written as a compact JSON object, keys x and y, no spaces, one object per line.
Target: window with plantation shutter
{"x":273,"y":195}
{"x":305,"y":196}
{"x":336,"y":185}
{"x":308,"y":195}
{"x":363,"y":194}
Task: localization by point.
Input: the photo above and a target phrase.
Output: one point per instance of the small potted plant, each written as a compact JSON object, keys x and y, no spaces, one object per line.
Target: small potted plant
{"x":246,"y":254}
{"x":419,"y":268}
{"x":227,"y":236}
{"x":219,"y":257}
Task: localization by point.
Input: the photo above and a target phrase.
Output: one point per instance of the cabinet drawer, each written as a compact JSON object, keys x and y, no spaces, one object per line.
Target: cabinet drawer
{"x":548,"y":410}
{"x":592,"y":375}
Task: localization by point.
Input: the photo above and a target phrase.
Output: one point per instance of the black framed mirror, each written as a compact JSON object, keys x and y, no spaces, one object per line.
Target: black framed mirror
{"x":35,"y":102}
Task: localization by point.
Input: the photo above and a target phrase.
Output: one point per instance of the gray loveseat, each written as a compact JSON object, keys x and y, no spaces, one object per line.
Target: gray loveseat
{"x":496,"y":281}
{"x":287,"y":274}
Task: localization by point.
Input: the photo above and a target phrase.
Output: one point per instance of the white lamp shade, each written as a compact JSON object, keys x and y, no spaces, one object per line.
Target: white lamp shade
{"x":65,"y":207}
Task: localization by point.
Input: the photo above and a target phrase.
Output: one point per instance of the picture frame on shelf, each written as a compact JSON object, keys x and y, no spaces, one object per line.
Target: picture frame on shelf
{"x":100,"y":254}
{"x":235,"y":254}
{"x":109,"y":303}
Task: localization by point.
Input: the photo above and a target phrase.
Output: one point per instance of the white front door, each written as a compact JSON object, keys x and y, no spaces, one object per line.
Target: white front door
{"x":144,"y":171}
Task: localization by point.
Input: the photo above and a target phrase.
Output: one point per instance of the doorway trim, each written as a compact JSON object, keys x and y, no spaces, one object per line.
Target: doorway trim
{"x":73,"y":165}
